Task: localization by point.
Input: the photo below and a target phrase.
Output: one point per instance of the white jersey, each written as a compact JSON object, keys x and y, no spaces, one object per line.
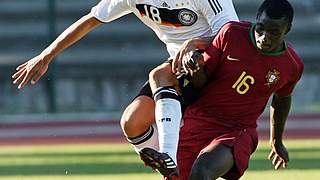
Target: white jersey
{"x":173,"y":21}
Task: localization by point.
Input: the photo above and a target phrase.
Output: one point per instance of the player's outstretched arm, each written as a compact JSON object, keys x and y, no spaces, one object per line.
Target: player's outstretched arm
{"x":35,"y":68}
{"x":279,"y":110}
{"x":187,"y":47}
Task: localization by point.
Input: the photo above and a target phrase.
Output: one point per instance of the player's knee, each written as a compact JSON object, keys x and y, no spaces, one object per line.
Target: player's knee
{"x":162,"y":76}
{"x":200,"y":172}
{"x":161,"y":72}
{"x":129,"y":124}
{"x":125,"y":123}
{"x":138,"y":116}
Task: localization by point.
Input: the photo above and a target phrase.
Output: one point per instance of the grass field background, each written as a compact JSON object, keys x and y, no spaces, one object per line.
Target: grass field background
{"x":119,"y":162}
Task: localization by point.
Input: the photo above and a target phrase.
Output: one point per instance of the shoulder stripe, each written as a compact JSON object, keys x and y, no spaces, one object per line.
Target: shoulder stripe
{"x":215,"y":5}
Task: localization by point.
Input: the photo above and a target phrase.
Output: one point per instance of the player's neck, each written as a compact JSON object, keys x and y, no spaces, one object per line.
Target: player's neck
{"x":281,"y":47}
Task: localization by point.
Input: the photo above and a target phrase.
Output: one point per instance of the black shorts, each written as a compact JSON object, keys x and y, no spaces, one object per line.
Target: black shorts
{"x":189,"y":93}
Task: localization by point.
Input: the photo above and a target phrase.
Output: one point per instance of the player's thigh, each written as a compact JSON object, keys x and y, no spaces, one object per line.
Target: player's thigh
{"x":138,"y":116}
{"x":214,"y":161}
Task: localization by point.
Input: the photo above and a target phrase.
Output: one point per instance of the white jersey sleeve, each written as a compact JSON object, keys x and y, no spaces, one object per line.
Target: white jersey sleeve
{"x":109,"y":10}
{"x":217,"y":12}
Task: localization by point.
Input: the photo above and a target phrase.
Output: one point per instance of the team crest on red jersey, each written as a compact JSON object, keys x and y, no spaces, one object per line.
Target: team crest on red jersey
{"x":272,"y":77}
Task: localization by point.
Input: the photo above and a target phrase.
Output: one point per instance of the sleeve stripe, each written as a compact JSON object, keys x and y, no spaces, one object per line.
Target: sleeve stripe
{"x":215,"y":5}
{"x":219,"y":5}
{"x":214,"y":10}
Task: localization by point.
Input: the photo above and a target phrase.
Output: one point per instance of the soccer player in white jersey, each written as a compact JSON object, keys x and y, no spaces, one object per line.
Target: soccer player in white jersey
{"x":153,"y":118}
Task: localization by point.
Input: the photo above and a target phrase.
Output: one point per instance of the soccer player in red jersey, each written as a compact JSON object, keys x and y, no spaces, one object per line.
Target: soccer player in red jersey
{"x":246,"y":64}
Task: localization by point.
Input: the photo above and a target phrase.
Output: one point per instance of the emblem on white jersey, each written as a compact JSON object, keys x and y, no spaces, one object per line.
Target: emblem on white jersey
{"x":187,"y":17}
{"x":272,"y":77}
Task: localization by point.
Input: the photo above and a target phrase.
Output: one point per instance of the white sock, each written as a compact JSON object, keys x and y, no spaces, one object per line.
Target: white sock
{"x":147,"y":139}
{"x":168,"y":117}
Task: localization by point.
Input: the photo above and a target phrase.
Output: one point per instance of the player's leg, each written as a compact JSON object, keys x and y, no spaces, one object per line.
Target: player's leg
{"x":226,"y":156}
{"x":169,"y":130}
{"x":214,"y":161}
{"x":164,"y":85}
{"x":165,"y":89}
{"x":138,"y":121}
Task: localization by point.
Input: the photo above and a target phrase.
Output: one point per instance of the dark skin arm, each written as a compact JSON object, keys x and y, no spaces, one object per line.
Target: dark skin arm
{"x":195,"y":67}
{"x":280,"y":107}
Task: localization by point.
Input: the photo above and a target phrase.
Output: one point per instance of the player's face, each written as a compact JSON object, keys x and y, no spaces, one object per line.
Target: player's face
{"x":269,"y":33}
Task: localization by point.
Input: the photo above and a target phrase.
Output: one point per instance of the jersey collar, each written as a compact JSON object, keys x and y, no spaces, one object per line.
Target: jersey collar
{"x":253,"y":41}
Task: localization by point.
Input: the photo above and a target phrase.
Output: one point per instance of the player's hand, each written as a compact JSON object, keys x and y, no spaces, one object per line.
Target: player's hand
{"x":186,"y":47}
{"x":279,"y":155}
{"x":192,"y":61}
{"x":31,"y":70}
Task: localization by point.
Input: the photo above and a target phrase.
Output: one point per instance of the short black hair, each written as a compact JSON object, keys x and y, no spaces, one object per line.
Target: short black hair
{"x":276,"y":9}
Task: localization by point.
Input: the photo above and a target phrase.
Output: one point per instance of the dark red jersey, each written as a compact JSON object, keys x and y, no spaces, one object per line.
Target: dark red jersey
{"x":242,"y":78}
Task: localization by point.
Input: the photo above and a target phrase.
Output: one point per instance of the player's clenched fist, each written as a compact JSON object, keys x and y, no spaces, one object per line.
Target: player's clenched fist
{"x":192,"y":61}
{"x":186,"y":50}
{"x":31,"y":70}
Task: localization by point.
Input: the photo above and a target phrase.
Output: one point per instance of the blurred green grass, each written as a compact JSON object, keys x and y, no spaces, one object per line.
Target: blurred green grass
{"x":119,"y":161}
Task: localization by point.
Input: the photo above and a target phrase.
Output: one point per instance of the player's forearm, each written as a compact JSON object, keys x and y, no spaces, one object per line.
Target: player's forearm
{"x":199,"y":78}
{"x":71,"y":35}
{"x":279,"y":111}
{"x":198,"y":75}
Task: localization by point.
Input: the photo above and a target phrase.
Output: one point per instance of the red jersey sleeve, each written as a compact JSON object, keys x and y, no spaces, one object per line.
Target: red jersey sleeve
{"x":213,"y":55}
{"x":287,"y":89}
